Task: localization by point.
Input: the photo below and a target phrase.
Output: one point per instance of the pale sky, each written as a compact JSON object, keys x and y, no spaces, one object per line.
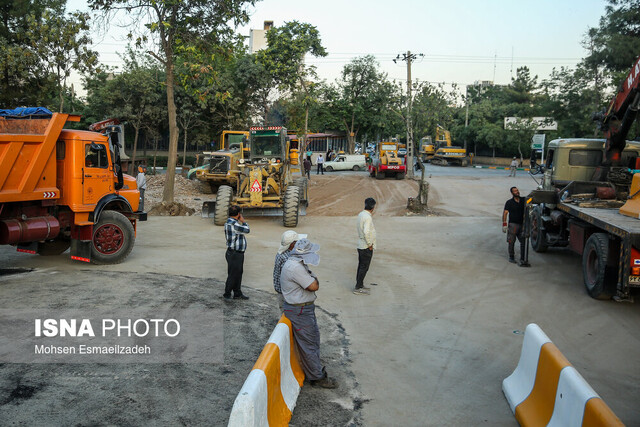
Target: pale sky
{"x":463,"y":40}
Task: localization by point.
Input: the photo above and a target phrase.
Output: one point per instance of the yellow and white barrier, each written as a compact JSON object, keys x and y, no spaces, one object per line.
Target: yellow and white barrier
{"x":545,"y":390}
{"x":269,"y":393}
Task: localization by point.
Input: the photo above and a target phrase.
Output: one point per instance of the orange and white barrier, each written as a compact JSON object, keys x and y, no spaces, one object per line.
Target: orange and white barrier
{"x":545,"y":390}
{"x":269,"y":393}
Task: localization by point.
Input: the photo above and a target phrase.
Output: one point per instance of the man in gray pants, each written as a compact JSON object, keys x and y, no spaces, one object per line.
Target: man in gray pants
{"x":298,"y":284}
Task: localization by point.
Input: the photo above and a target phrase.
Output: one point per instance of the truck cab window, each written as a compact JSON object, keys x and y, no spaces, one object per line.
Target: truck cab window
{"x":95,"y":156}
{"x":585,"y":157}
{"x":549,"y":162}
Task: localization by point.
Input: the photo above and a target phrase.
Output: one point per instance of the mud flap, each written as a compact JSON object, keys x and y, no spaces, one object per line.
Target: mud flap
{"x":208,"y":209}
{"x":81,"y":250}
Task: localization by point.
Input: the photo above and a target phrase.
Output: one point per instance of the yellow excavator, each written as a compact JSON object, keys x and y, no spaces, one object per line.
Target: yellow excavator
{"x":428,"y":147}
{"x":443,"y":152}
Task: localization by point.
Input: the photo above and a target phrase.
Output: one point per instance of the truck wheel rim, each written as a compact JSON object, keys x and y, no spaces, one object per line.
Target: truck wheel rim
{"x":108,"y":239}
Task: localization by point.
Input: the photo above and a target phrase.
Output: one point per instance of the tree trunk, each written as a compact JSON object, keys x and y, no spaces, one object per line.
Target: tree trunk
{"x":132,"y":166}
{"x":155,"y":153}
{"x":306,"y":122}
{"x":61,"y":98}
{"x":167,"y":194}
{"x":184,"y":149}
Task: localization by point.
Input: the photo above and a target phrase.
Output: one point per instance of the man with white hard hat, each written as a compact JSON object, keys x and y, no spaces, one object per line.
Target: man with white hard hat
{"x":287,"y":241}
{"x":299,"y":286}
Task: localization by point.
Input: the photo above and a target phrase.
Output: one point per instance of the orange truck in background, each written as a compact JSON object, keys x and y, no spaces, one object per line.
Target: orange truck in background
{"x":63,"y":188}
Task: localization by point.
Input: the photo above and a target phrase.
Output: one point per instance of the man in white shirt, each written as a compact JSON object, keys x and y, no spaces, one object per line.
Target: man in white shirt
{"x":513,"y":167}
{"x":320,"y":162}
{"x":141,"y":181}
{"x":366,"y":244}
{"x":299,"y":286}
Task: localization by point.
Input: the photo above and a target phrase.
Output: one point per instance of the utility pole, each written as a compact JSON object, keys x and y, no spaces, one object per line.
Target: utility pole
{"x":466,"y":116}
{"x":409,"y":57}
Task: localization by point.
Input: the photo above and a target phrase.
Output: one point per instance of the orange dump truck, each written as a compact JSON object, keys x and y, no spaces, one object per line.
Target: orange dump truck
{"x":63,"y":188}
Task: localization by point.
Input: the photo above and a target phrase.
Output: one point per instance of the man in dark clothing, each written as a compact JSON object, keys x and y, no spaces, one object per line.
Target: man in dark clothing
{"x":515,"y":209}
{"x":234,"y":230}
{"x":307,"y":167}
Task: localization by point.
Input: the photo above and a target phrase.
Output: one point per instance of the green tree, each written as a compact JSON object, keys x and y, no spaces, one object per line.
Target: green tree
{"x":180,"y":27}
{"x":616,"y":40}
{"x":362,"y":96}
{"x":62,"y":43}
{"x":284,"y":59}
{"x":432,"y":106}
{"x":24,"y":79}
{"x":134,"y":96}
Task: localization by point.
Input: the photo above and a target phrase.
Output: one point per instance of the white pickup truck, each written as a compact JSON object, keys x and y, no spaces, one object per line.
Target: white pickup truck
{"x":354,"y":162}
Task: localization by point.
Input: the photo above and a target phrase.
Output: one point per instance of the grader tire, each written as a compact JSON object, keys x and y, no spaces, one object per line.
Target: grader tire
{"x":303,"y":185}
{"x":400,"y":175}
{"x":291,"y":207}
{"x":223,"y":200}
{"x":380,"y":175}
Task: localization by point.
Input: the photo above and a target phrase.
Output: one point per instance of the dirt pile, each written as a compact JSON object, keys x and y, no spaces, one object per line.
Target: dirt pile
{"x":187,"y":198}
{"x":171,"y":209}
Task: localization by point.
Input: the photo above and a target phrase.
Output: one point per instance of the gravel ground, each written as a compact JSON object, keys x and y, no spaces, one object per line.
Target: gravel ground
{"x":159,"y":394}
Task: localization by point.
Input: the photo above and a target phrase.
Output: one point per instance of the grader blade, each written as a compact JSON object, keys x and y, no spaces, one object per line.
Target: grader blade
{"x":208,"y":209}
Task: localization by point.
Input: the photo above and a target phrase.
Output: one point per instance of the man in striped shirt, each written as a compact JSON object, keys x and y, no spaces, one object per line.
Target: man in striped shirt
{"x":234,"y":230}
{"x":287,"y":242}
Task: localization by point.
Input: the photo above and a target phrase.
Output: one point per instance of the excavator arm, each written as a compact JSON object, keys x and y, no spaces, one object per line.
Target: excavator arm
{"x":616,"y":122}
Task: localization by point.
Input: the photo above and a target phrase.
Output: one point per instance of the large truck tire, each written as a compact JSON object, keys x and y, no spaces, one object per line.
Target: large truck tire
{"x":380,"y":175}
{"x":598,"y":279}
{"x":303,"y":185}
{"x":400,"y":175}
{"x":113,"y":238}
{"x":223,"y":200}
{"x":538,"y":235}
{"x":291,"y":207}
{"x":53,"y":247}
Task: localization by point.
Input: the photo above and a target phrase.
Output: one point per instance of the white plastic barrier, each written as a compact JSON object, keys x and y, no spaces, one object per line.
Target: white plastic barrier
{"x":269,"y":393}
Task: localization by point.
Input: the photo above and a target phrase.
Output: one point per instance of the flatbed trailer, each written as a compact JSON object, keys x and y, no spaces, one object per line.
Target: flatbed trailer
{"x":623,"y":231}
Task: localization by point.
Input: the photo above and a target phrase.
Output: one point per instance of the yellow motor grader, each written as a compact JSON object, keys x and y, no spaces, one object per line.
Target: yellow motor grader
{"x":265,"y":186}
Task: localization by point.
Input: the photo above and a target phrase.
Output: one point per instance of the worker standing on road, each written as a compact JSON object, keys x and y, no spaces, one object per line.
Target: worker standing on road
{"x":234,"y":230}
{"x":307,"y":167}
{"x":513,"y":167}
{"x":299,"y":285}
{"x":141,"y":181}
{"x":320,"y":162}
{"x":366,"y":244}
{"x":287,"y":242}
{"x":515,"y":228}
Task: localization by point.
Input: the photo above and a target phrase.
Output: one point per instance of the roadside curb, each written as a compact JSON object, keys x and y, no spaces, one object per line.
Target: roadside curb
{"x":269,"y":393}
{"x":545,"y":389}
{"x":500,"y":168}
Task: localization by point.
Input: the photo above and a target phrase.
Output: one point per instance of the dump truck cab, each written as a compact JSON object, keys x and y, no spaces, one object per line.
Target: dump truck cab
{"x":63,"y":188}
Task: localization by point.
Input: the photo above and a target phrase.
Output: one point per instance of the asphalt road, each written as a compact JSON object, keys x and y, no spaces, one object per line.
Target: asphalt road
{"x":442,"y":328}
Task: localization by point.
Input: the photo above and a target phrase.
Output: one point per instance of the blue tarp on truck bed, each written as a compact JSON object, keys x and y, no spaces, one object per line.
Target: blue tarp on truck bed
{"x":26,"y":112}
